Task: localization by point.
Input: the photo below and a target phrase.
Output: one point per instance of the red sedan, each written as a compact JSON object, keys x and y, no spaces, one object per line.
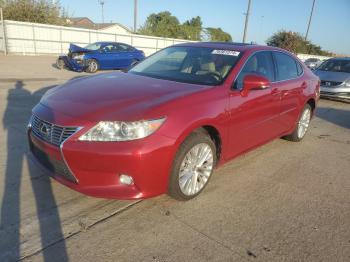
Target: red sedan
{"x":167,"y":123}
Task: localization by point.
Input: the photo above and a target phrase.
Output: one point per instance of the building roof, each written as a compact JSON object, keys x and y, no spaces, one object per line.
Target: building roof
{"x":93,"y":26}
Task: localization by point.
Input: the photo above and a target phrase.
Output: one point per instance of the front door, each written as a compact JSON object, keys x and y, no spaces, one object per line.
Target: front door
{"x":254,"y":119}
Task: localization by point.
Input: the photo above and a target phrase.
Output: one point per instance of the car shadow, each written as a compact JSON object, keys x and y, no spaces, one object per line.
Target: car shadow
{"x":340,"y":117}
{"x":20,"y":102}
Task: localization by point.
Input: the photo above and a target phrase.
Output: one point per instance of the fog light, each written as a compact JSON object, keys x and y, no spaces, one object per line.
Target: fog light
{"x":126,"y":180}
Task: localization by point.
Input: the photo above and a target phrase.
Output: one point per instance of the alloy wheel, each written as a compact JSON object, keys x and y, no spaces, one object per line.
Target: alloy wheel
{"x":195,"y":169}
{"x":304,"y":122}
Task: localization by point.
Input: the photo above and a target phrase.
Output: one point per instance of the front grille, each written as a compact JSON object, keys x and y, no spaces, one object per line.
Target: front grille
{"x":55,"y":166}
{"x":51,"y":133}
{"x":330,"y":83}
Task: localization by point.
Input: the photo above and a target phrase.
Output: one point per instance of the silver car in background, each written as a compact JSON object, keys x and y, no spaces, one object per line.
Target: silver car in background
{"x":334,"y":74}
{"x":312,"y":63}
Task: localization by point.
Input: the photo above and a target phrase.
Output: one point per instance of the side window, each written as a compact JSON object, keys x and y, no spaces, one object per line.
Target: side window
{"x":286,"y":66}
{"x":260,"y":64}
{"x":108,"y":48}
{"x":125,"y":48}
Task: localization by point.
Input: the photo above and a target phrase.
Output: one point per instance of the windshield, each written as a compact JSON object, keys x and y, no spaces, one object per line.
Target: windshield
{"x":197,"y":65}
{"x":336,"y":65}
{"x":94,"y":46}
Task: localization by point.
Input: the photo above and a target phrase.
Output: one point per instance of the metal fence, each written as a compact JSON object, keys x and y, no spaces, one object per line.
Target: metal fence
{"x":34,"y":39}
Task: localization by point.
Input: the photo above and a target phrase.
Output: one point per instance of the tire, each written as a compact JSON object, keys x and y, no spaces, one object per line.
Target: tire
{"x":188,"y":178}
{"x":92,"y":66}
{"x":302,"y":125}
{"x":60,"y":63}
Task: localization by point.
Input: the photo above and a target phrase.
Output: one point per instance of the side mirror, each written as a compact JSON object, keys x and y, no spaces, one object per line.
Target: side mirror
{"x":254,"y":82}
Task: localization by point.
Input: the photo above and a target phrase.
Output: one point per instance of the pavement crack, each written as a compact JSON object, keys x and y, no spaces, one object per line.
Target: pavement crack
{"x":83,"y":228}
{"x":209,"y":237}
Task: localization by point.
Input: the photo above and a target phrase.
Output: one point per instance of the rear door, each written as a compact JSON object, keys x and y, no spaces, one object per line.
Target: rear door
{"x":254,"y":118}
{"x":126,"y":55}
{"x":291,"y":85}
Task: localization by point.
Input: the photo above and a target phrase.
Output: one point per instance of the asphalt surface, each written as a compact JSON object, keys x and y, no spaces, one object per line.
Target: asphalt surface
{"x":284,"y":201}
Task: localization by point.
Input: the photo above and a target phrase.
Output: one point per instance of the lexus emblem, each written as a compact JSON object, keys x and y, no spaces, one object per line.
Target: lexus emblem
{"x":44,"y":129}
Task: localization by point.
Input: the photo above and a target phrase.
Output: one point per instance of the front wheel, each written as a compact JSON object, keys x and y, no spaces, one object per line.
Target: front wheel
{"x":60,"y":63}
{"x":192,"y":167}
{"x":302,"y":125}
{"x":92,"y":66}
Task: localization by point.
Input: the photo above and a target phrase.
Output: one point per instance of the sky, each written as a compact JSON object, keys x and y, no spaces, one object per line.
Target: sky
{"x":330,"y":26}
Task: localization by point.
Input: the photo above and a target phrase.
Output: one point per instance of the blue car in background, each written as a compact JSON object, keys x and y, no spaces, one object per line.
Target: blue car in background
{"x":100,"y":55}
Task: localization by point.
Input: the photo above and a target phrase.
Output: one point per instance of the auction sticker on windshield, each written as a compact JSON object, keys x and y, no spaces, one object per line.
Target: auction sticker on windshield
{"x":225,"y":52}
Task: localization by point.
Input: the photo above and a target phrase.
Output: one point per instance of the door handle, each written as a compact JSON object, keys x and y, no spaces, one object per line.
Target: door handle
{"x":304,"y":85}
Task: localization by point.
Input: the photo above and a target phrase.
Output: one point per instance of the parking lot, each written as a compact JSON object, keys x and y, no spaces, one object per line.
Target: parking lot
{"x":282,"y":202}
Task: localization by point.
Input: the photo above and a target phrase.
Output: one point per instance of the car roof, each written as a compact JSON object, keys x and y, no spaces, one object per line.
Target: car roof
{"x":231,"y":46}
{"x":109,"y":42}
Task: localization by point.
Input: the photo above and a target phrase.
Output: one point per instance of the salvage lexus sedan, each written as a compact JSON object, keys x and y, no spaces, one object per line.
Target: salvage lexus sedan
{"x":166,"y":124}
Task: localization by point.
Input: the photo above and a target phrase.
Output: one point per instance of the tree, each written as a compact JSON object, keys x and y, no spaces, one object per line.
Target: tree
{"x":294,"y":42}
{"x":35,"y":11}
{"x":162,"y":24}
{"x":217,"y":35}
{"x":191,"y":29}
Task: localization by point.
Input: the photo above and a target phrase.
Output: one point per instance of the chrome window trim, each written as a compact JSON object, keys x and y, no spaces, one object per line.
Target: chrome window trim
{"x":258,"y":51}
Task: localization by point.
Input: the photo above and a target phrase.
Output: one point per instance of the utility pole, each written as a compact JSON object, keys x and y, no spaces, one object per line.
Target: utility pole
{"x":135,"y":16}
{"x":246,"y":22}
{"x":308,"y":26}
{"x":102,"y":2}
{"x":4,"y":44}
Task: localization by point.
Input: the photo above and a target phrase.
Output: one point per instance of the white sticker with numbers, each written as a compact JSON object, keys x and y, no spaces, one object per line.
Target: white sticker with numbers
{"x":225,"y":52}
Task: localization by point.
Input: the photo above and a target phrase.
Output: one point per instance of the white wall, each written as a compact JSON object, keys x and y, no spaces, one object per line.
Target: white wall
{"x":115,"y":29}
{"x":303,"y":57}
{"x":31,"y":38}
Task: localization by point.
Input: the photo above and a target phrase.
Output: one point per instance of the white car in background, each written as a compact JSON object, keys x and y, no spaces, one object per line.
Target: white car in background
{"x":313,"y":63}
{"x":334,"y":74}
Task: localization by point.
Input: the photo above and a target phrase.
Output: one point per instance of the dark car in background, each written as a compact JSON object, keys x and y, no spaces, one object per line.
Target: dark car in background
{"x":100,"y":56}
{"x":335,"y":78}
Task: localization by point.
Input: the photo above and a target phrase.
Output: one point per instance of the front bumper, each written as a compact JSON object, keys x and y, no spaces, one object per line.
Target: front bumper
{"x":73,"y":64}
{"x":337,"y":92}
{"x":93,"y":168}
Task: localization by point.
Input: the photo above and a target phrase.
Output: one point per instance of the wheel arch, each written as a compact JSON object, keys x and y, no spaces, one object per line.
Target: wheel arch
{"x":212,"y":130}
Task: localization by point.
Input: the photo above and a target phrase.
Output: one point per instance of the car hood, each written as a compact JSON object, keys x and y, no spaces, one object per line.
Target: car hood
{"x":332,"y":76}
{"x":114,"y":96}
{"x":75,"y":49}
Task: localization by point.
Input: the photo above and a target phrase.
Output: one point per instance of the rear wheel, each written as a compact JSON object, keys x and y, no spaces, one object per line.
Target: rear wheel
{"x":192,"y":167}
{"x":93,"y":66}
{"x":302,"y":125}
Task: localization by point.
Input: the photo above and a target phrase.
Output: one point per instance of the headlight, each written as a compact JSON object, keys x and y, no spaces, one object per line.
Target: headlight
{"x":347,"y":83}
{"x":121,"y":131}
{"x":79,"y":57}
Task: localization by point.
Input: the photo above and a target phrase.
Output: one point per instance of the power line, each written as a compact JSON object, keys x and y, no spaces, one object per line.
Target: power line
{"x":308,"y":26}
{"x":246,"y":22}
